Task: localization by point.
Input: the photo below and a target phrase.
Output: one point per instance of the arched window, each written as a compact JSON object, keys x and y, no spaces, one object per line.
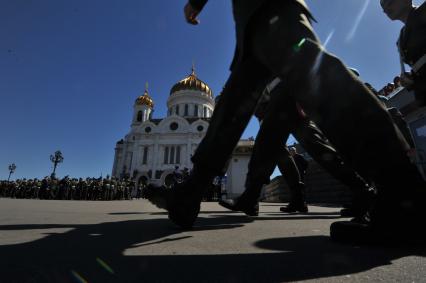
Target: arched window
{"x":178,"y":154}
{"x":139,"y":117}
{"x":205,"y":112}
{"x":172,"y":155}
{"x":145,"y":155}
{"x":166,"y":155}
{"x":195,"y":110}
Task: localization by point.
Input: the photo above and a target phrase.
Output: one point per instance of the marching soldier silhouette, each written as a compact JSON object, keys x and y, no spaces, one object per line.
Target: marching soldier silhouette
{"x":276,"y":39}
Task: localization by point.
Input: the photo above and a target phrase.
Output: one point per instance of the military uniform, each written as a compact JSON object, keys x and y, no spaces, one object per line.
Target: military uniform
{"x":412,"y":48}
{"x":275,"y":38}
{"x":248,"y":78}
{"x":244,"y":11}
{"x":281,"y":119}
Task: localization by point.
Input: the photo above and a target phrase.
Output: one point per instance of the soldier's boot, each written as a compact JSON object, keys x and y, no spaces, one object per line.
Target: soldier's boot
{"x":248,"y":201}
{"x":384,"y":224}
{"x":362,"y":202}
{"x":360,"y":128}
{"x":183,"y":200}
{"x":297,"y":201}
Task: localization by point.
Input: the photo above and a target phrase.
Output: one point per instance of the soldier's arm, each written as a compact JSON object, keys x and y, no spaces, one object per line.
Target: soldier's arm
{"x":192,"y":9}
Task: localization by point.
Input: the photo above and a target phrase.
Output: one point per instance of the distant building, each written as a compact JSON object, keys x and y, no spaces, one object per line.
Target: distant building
{"x":238,"y":167}
{"x":153,"y":148}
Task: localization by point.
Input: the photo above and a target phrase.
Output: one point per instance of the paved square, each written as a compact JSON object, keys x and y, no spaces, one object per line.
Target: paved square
{"x":132,"y":241}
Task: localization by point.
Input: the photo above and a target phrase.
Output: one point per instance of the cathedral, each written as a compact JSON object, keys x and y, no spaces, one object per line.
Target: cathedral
{"x":154,"y":148}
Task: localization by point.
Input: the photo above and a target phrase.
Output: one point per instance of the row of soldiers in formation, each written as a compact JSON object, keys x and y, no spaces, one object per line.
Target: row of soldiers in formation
{"x":84,"y":189}
{"x":71,"y":189}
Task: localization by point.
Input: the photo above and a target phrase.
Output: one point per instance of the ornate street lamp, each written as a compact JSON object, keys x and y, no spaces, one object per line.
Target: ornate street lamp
{"x":57,"y":158}
{"x":12,"y":168}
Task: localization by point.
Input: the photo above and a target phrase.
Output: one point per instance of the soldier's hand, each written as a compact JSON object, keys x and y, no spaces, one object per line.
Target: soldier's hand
{"x":191,"y":14}
{"x":407,"y":80}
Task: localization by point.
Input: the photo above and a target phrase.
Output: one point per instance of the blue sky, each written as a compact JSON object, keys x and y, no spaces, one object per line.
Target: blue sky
{"x":71,"y":70}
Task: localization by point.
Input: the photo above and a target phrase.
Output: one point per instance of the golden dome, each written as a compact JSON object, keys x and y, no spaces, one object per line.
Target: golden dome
{"x":191,"y":82}
{"x":145,"y":99}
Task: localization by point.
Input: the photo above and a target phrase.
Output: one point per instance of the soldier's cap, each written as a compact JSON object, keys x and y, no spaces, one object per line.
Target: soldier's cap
{"x":354,"y":71}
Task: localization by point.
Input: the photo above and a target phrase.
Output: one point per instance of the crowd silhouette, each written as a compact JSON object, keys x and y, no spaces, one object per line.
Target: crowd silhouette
{"x":85,"y":189}
{"x":71,"y":189}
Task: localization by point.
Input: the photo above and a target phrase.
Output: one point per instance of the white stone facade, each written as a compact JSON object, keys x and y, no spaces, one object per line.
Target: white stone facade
{"x":154,"y":147}
{"x":237,"y":168}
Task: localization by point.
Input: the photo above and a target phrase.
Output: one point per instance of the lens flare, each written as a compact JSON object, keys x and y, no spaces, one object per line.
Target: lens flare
{"x":105,"y":265}
{"x":78,"y":277}
{"x":358,"y":21}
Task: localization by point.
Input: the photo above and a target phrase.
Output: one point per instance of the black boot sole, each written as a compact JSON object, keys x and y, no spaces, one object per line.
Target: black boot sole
{"x":248,"y":211}
{"x":181,"y":211}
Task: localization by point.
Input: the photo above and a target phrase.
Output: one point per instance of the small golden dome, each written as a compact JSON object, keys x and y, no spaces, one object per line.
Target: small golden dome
{"x":191,"y":82}
{"x":145,"y":99}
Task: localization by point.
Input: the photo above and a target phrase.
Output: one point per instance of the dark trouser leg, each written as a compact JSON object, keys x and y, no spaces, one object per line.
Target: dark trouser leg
{"x":348,"y":114}
{"x":320,"y":149}
{"x":362,"y":131}
{"x":292,"y":176}
{"x":230,"y":117}
{"x":268,"y":149}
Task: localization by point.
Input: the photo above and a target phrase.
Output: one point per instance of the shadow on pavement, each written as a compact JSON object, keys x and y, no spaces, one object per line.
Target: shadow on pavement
{"x":126,"y":213}
{"x":281,"y":216}
{"x":95,"y":253}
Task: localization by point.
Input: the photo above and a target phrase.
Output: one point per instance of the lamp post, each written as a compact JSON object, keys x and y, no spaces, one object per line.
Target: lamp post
{"x":12,"y":168}
{"x":56,"y":159}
